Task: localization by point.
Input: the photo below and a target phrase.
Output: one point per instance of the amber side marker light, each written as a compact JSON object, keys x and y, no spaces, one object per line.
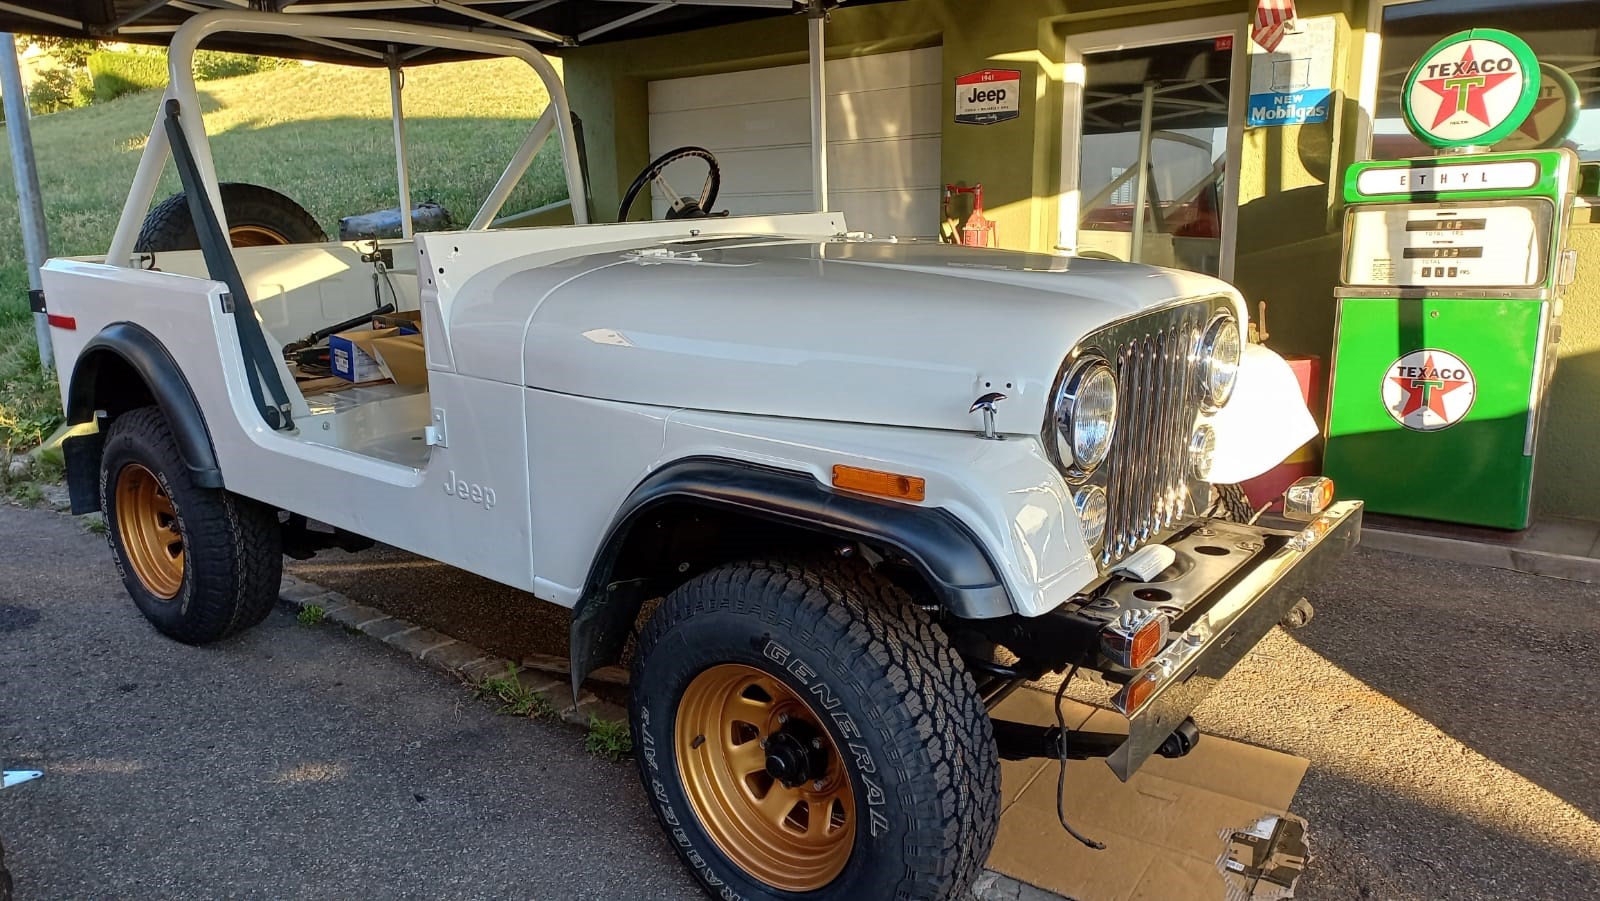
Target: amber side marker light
{"x":1307,"y":497}
{"x":1134,"y":640}
{"x":1135,"y":693}
{"x":881,"y":484}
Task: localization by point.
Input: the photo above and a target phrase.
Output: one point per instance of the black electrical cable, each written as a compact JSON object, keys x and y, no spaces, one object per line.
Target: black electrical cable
{"x":1061,"y":774}
{"x":394,"y":296}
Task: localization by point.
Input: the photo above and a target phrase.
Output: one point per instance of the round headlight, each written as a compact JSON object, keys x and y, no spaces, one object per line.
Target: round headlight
{"x":1091,"y":503}
{"x":1086,"y":415}
{"x":1220,"y":351}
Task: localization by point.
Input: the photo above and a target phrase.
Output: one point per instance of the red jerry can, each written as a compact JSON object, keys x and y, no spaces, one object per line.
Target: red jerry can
{"x":978,"y":231}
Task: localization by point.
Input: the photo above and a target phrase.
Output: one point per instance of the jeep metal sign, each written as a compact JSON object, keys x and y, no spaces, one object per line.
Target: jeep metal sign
{"x":1472,"y":88}
{"x":988,"y":96}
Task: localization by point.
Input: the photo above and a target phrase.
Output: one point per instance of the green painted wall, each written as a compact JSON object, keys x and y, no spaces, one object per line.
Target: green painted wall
{"x":1288,"y":245}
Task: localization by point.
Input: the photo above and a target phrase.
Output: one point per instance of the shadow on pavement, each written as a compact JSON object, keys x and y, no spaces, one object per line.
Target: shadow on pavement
{"x":1500,"y":661}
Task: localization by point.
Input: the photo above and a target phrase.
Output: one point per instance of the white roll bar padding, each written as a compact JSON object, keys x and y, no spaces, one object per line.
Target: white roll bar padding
{"x":181,"y":86}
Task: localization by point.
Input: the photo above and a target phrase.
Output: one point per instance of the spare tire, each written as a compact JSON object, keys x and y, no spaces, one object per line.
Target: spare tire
{"x":257,"y":217}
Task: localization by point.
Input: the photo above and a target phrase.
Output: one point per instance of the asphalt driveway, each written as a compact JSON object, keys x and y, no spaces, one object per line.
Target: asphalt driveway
{"x":1446,"y":711}
{"x":290,"y":762}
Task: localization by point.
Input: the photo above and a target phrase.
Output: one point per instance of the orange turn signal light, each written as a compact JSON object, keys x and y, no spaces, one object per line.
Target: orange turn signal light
{"x":1134,"y":639}
{"x":1146,"y":643}
{"x":1307,"y":497}
{"x":882,"y":484}
{"x":1135,"y":693}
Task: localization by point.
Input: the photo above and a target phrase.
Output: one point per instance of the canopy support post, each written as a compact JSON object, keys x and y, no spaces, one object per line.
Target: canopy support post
{"x":402,"y":172}
{"x":1141,"y":189}
{"x":35,"y":240}
{"x":819,"y":110}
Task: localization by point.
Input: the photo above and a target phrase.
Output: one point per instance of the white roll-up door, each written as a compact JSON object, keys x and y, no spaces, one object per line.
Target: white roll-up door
{"x":883,"y":139}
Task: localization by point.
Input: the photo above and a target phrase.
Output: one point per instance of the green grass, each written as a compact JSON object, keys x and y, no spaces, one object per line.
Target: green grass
{"x":28,"y":494}
{"x":311,"y":615}
{"x":608,"y":738}
{"x":515,"y":698}
{"x":320,"y":134}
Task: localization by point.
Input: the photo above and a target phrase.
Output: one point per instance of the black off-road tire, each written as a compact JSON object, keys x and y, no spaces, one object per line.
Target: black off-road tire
{"x":924,"y":767}
{"x":169,"y":226}
{"x":1232,"y":504}
{"x":232,"y":545}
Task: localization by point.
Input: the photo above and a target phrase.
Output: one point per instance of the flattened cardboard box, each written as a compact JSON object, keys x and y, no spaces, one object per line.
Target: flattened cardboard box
{"x":1169,"y":832}
{"x":402,"y":358}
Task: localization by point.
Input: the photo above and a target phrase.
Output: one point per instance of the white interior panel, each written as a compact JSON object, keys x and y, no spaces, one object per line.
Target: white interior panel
{"x":884,"y":134}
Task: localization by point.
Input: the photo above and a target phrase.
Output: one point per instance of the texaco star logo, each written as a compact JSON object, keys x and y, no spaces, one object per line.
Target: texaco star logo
{"x":1464,"y":87}
{"x":1429,"y":389}
{"x":1554,"y":114}
{"x":1474,"y":87}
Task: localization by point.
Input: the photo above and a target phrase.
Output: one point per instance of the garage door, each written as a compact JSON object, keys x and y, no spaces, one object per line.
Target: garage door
{"x":883,"y":139}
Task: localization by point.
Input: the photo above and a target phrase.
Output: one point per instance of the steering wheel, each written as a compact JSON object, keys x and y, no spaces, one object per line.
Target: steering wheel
{"x":681,"y":207}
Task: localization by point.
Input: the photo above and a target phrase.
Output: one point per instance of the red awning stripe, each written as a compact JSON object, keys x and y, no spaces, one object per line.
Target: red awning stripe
{"x":1272,"y":21}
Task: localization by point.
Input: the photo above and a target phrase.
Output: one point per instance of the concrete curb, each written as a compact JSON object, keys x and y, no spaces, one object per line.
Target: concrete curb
{"x":1458,"y":550}
{"x":439,"y":651}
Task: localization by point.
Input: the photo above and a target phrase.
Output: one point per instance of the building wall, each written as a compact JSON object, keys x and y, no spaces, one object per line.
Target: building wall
{"x":1288,"y":246}
{"x":1567,"y":476}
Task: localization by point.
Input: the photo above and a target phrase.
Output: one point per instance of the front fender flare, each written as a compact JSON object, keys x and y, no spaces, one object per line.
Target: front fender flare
{"x":950,"y":558}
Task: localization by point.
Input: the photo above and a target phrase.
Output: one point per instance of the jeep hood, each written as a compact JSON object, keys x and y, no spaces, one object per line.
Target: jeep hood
{"x":905,"y":334}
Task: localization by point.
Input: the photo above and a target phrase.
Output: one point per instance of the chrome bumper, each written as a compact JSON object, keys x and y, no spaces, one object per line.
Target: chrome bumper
{"x":1213,"y":641}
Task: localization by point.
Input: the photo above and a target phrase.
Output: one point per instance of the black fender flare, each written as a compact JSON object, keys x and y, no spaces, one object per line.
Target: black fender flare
{"x":137,"y":350}
{"x":948,"y":555}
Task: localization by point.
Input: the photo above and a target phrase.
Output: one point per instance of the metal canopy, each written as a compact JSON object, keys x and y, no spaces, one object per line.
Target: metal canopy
{"x":550,"y":24}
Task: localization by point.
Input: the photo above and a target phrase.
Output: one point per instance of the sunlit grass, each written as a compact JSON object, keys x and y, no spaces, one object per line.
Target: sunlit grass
{"x":320,"y":134}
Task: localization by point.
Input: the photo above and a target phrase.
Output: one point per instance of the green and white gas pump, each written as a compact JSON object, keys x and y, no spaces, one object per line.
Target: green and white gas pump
{"x":1450,"y":299}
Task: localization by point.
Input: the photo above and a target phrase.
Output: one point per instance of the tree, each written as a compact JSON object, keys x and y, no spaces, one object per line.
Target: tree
{"x":72,"y":52}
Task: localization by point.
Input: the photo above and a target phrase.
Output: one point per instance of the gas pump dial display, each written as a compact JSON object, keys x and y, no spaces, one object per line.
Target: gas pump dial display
{"x":1489,"y":245}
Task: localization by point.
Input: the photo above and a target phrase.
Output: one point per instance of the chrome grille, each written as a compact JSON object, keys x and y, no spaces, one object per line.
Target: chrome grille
{"x":1146,"y":475}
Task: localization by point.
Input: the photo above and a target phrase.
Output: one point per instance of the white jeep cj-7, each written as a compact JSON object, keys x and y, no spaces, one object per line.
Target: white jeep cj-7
{"x":878,"y":484}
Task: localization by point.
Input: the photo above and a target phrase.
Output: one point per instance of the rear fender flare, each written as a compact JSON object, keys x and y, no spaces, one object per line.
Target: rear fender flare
{"x":99,"y":383}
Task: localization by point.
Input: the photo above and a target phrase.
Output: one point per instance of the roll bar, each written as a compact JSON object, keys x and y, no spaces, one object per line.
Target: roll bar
{"x":557,"y":117}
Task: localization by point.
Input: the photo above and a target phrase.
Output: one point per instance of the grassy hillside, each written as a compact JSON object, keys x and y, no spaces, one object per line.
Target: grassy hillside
{"x":320,"y":134}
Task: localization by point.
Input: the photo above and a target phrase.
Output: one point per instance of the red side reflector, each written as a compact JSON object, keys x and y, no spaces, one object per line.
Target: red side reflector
{"x":63,"y":322}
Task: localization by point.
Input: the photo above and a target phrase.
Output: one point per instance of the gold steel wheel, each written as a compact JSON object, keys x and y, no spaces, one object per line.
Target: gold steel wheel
{"x":148,"y":526}
{"x":255,"y":236}
{"x":764,"y":778}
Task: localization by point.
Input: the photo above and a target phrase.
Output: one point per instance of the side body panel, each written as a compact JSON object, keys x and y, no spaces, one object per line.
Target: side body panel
{"x":588,"y":455}
{"x":485,"y":531}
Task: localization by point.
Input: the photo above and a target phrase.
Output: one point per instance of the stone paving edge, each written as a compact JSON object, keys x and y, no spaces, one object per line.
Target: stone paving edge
{"x":444,"y":653}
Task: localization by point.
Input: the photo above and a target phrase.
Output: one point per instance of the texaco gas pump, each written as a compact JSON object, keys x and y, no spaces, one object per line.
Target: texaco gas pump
{"x":1450,"y":299}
